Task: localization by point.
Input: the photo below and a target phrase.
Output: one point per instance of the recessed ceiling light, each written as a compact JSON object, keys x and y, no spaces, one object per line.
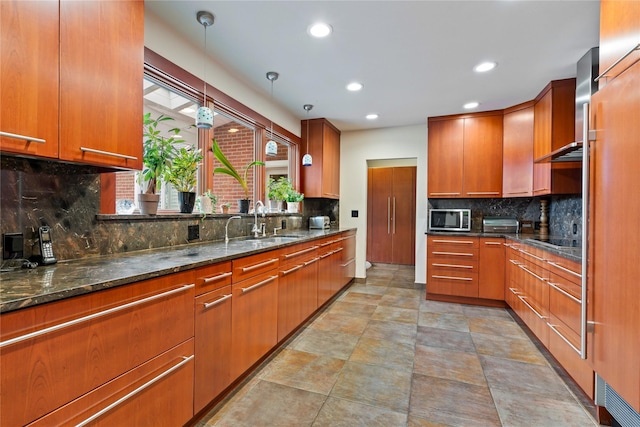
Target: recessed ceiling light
{"x":233,"y":130}
{"x":372,"y":116}
{"x":188,"y":110}
{"x":470,"y":105}
{"x":320,"y":29}
{"x":485,"y":66}
{"x":354,"y":86}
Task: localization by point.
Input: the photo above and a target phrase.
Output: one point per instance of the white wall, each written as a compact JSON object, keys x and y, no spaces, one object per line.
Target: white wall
{"x":358,"y":147}
{"x":163,"y":40}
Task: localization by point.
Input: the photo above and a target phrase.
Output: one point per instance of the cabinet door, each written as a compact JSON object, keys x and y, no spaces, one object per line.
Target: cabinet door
{"x":380,"y":210}
{"x":101,"y":72}
{"x":254,"y":322}
{"x":212,"y":346}
{"x":331,"y":164}
{"x":616,"y":241}
{"x":322,"y":179}
{"x":445,"y":154}
{"x":492,"y":269}
{"x":482,"y":159}
{"x":325,"y":274}
{"x":290,"y":289}
{"x":619,"y":32}
{"x":542,"y":145}
{"x":517,"y":153}
{"x":403,"y":224}
{"x":29,"y":74}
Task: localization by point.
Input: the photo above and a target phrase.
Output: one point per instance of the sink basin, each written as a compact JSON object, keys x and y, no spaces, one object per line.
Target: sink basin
{"x":274,"y":239}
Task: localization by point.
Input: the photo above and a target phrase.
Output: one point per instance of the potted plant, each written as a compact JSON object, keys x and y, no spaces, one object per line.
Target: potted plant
{"x":225,"y":207}
{"x":182,"y":174}
{"x":293,"y":200}
{"x":158,"y":152}
{"x":277,"y":192}
{"x":208,"y":202}
{"x":228,"y":169}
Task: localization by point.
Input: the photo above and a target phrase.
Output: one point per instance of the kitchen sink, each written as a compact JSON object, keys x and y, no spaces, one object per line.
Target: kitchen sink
{"x":274,"y":239}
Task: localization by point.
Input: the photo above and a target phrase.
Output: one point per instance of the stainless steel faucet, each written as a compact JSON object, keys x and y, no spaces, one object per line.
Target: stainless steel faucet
{"x":226,"y":227}
{"x":256,"y":228}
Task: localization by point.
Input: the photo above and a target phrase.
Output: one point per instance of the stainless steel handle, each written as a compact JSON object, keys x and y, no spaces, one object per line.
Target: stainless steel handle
{"x":312,"y":261}
{"x":337,"y":250}
{"x":92,"y":316}
{"x":585,"y":227}
{"x":351,"y":261}
{"x":126,"y":397}
{"x":532,"y":273}
{"x":291,"y":270}
{"x":514,"y":262}
{"x":451,"y":253}
{"x":461,"y":242}
{"x":24,"y":137}
{"x":218,"y":277}
{"x":394,"y":215}
{"x":532,"y":255}
{"x":513,"y":291}
{"x":388,"y":215}
{"x":326,"y":255}
{"x":466,"y":279}
{"x":452,"y":265}
{"x":517,"y":192}
{"x":493,"y":244}
{"x":481,"y":193}
{"x":218,"y":301}
{"x":304,"y":251}
{"x":108,"y":153}
{"x":522,"y":298}
{"x":604,"y":73}
{"x":555,"y":264}
{"x":327,"y":243}
{"x":562,"y":291}
{"x":259,"y":265}
{"x":554,"y":329}
{"x":257,"y":285}
{"x":444,"y":194}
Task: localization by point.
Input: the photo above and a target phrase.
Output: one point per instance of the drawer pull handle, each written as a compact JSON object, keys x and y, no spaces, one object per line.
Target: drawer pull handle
{"x":461,"y":242}
{"x":466,"y":279}
{"x":515,"y":291}
{"x":481,"y":193}
{"x":452,"y":253}
{"x":514,"y":262}
{"x":532,"y":255}
{"x":452,"y":265}
{"x":24,"y":137}
{"x":493,"y":243}
{"x":522,"y":298}
{"x":348,"y":262}
{"x":218,"y":277}
{"x":532,"y":273}
{"x":92,"y":316}
{"x":304,"y":251}
{"x":604,"y":73}
{"x":259,"y":265}
{"x":257,"y":285}
{"x":555,"y":264}
{"x":323,"y":256}
{"x":218,"y":301}
{"x":338,"y":250}
{"x":106,"y":409}
{"x":108,"y":153}
{"x":554,"y":329}
{"x":444,"y":194}
{"x":562,"y":291}
{"x":311,"y":261}
{"x":291,"y":270}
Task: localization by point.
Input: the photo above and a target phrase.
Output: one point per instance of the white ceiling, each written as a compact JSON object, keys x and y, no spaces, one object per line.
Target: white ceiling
{"x":415,"y":58}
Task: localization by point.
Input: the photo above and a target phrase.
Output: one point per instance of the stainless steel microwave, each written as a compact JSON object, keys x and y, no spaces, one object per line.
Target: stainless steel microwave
{"x":450,"y":220}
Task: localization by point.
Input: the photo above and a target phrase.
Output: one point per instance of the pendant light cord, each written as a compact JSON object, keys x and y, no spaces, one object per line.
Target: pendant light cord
{"x":272,"y":111}
{"x":204,"y":100}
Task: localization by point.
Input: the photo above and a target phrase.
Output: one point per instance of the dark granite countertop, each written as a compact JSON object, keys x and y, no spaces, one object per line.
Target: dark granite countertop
{"x":569,"y":252}
{"x":26,"y":288}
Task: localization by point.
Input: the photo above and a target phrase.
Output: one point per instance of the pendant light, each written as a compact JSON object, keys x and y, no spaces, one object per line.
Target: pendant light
{"x":306,"y":159}
{"x":204,"y":117}
{"x":271,"y":149}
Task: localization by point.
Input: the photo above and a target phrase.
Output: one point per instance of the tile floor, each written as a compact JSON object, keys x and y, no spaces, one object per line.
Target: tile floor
{"x":381,"y":355}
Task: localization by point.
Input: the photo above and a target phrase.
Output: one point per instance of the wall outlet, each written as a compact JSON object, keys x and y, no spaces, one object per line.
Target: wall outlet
{"x":12,"y":245}
{"x":574,"y":228}
{"x":354,"y":214}
{"x":193,"y":232}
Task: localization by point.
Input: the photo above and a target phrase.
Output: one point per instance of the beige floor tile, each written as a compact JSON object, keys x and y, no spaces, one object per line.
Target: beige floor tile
{"x":441,"y":307}
{"x":305,"y":371}
{"x":452,"y":402}
{"x":496,"y":326}
{"x":400,"y":301}
{"x":374,"y":385}
{"x":455,"y":322}
{"x":419,"y":422}
{"x":352,"y":309}
{"x":395,"y":314}
{"x":360,"y":298}
{"x":480,"y":311}
{"x":403,"y":292}
{"x":508,"y":348}
{"x":325,"y":343}
{"x":340,"y":323}
{"x":445,"y":338}
{"x":367,"y":288}
{"x":384,"y":353}
{"x":391,"y":331}
{"x":344,"y":413}
{"x":449,"y":364}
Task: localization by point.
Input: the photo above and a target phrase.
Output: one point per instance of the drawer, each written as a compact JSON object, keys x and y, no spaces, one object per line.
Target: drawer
{"x":565,"y":301}
{"x":535,"y":287}
{"x":453,"y":241}
{"x":570,"y":270}
{"x":246,"y":267}
{"x":298,"y":253}
{"x":446,"y":282}
{"x":454,"y":264}
{"x":529,"y":314}
{"x":534,"y":255}
{"x":160,"y":393}
{"x":213,"y":277}
{"x":445,"y":251}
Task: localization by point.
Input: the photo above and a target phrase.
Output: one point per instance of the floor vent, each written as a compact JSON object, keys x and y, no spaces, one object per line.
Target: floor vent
{"x":619,"y":409}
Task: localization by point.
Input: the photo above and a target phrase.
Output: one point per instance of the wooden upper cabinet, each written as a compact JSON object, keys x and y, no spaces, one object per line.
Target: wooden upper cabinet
{"x":101,"y":72}
{"x":29,"y":76}
{"x":322,"y":178}
{"x":553,"y":128}
{"x":445,"y":147}
{"x":465,"y":156}
{"x":517,"y":151}
{"x":619,"y":33}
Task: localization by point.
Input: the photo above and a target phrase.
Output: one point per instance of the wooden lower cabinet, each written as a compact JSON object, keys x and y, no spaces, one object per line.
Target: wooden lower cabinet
{"x":325,"y":270}
{"x":348,"y":265}
{"x":492,"y":269}
{"x":452,"y":266}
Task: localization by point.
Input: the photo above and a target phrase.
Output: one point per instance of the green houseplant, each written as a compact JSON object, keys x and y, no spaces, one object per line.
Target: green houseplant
{"x":182,"y":174}
{"x":228,"y":169}
{"x":277,"y":191}
{"x":208,"y":202}
{"x":158,"y":152}
{"x":293,"y":200}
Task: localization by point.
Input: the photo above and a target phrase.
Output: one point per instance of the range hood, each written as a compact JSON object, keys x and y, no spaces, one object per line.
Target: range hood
{"x":586,"y":72}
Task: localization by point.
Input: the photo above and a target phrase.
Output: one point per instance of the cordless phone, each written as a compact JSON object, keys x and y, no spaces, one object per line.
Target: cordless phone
{"x":46,"y":247}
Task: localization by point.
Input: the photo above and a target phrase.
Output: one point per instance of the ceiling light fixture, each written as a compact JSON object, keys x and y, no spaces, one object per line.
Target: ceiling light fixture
{"x":320,"y":30}
{"x":371,"y":116}
{"x":485,"y":66}
{"x":271,"y":149}
{"x":470,"y":105}
{"x":204,"y":117}
{"x":307,"y":160}
{"x":354,"y":86}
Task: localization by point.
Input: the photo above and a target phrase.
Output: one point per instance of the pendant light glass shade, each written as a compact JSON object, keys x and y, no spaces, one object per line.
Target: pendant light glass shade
{"x":307,"y":160}
{"x":271,"y":149}
{"x":204,"y":116}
